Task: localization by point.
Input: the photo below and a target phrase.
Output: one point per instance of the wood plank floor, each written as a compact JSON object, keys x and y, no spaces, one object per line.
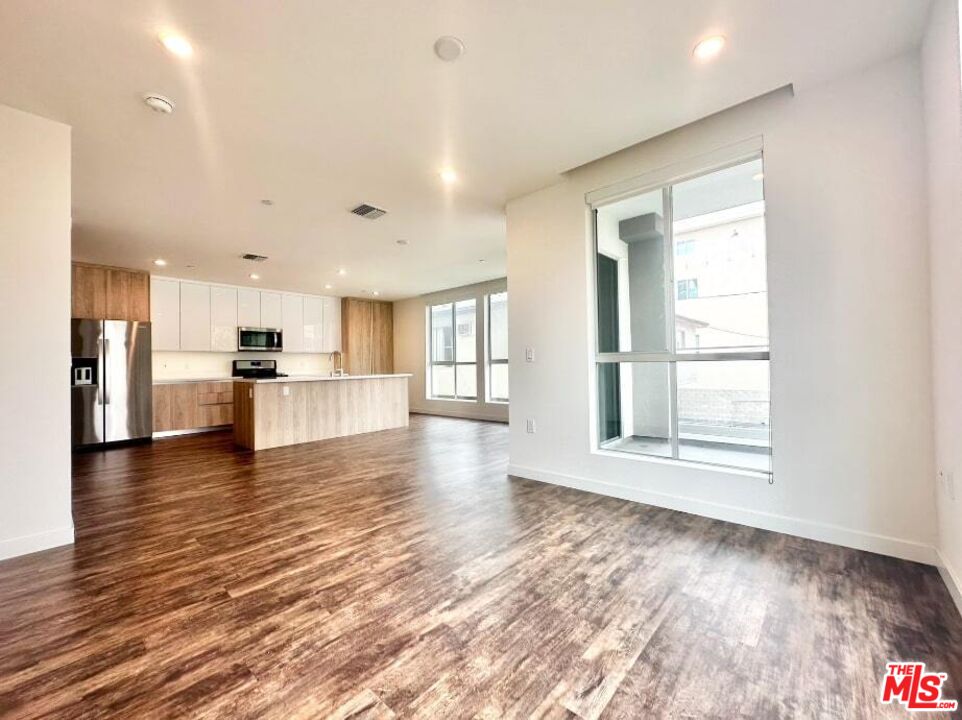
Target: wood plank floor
{"x":402,"y":574}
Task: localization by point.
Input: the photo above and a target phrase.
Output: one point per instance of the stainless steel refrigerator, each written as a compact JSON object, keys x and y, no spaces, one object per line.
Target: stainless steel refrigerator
{"x":110,"y":378}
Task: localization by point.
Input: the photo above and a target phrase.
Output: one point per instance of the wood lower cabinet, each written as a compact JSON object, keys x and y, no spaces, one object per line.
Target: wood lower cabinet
{"x":367,"y":336}
{"x":193,"y":405}
{"x":107,"y":293}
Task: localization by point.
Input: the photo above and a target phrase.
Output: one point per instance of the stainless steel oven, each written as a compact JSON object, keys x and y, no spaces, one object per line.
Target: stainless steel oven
{"x":262,"y":339}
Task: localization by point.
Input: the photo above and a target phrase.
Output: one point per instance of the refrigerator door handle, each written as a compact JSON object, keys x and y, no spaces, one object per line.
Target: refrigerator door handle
{"x":106,"y":389}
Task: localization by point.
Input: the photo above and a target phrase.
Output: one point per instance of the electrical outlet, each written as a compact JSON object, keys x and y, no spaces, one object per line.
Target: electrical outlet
{"x":529,"y":356}
{"x":287,"y":390}
{"x":530,"y":426}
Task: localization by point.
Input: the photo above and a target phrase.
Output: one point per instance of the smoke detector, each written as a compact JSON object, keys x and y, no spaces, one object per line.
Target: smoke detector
{"x":448,"y":48}
{"x":368,"y":211}
{"x":158,"y":103}
{"x":253,"y":257}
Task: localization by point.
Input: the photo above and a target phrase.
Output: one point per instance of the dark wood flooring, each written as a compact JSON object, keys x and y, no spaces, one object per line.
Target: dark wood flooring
{"x":403,"y":574}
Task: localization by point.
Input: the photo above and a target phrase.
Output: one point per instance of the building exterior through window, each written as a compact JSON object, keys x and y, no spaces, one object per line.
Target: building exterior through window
{"x":682,"y":301}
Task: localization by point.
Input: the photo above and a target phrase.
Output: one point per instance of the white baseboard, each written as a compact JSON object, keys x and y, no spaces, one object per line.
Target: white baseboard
{"x":823,"y":532}
{"x":953,"y":580}
{"x":13,"y":547}
{"x":458,"y":413}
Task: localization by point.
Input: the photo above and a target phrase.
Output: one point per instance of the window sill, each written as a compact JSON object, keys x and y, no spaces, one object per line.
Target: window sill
{"x":711,"y":467}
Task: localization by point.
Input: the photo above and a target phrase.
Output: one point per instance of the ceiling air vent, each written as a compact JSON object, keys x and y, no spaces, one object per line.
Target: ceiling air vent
{"x":253,"y":257}
{"x":369,"y":211}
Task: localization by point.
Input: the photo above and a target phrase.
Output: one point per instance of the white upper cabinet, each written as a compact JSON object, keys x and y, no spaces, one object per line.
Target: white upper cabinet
{"x":187,"y":315}
{"x":223,"y":319}
{"x":165,"y":314}
{"x":331,"y":333}
{"x":271,"y":316}
{"x":293,"y":325}
{"x":194,"y":316}
{"x":248,"y":308}
{"x":313,"y":324}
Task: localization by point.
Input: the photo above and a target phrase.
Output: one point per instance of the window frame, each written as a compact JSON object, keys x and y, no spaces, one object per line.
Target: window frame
{"x":489,"y":355}
{"x":664,"y":180}
{"x":432,"y":363}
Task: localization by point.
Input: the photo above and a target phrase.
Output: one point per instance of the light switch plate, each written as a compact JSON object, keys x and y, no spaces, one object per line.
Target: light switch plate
{"x":530,"y":426}
{"x":529,"y":355}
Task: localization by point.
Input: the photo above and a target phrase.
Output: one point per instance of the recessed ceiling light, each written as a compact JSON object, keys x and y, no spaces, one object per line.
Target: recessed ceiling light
{"x":328,"y":286}
{"x":709,"y":47}
{"x":375,"y":292}
{"x":342,"y":271}
{"x":448,"y":176}
{"x":401,"y":242}
{"x":159,"y":103}
{"x":160,"y":262}
{"x":254,"y":276}
{"x":482,"y":260}
{"x":448,"y":48}
{"x":177,"y":44}
{"x":758,"y":177}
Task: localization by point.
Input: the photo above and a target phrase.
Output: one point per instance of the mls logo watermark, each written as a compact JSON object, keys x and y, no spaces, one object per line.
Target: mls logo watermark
{"x":908,"y":683}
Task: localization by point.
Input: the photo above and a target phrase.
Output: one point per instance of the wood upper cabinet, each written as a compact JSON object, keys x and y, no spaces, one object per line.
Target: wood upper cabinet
{"x":128,"y":295}
{"x":107,"y":293}
{"x":367,"y":336}
{"x":88,"y":292}
{"x":382,"y":350}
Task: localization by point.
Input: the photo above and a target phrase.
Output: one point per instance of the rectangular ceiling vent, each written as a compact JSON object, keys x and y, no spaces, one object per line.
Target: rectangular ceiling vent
{"x":253,"y":257}
{"x":369,"y":211}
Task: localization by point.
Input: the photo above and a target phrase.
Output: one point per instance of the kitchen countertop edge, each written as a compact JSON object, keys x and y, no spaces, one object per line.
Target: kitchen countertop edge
{"x":319,"y":378}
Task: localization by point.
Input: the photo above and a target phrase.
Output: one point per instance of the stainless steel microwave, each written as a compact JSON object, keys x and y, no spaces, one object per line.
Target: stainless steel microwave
{"x":262,"y":339}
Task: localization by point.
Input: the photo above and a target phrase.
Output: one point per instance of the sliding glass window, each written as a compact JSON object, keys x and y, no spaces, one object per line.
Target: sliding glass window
{"x":453,"y":350}
{"x":682,"y":317}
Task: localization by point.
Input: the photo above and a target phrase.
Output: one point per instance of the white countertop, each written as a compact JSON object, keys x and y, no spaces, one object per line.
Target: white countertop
{"x":178,"y":381}
{"x":317,"y":378}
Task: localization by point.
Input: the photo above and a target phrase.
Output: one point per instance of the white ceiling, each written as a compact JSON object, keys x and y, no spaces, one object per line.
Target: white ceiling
{"x":320,"y":106}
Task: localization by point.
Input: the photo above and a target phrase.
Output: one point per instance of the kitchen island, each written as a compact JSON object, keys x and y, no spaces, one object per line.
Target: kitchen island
{"x":289,"y":410}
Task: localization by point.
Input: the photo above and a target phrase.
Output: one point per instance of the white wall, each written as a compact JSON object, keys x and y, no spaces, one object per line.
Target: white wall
{"x":943,"y":120}
{"x":848,"y":276}
{"x":35,"y":298}
{"x":410,"y":352}
{"x":210,"y":365}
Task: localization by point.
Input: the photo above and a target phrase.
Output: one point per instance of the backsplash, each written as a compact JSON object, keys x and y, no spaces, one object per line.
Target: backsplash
{"x":194,"y":365}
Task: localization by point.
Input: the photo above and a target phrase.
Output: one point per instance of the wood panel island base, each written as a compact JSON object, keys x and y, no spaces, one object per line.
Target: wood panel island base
{"x":288,"y":411}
